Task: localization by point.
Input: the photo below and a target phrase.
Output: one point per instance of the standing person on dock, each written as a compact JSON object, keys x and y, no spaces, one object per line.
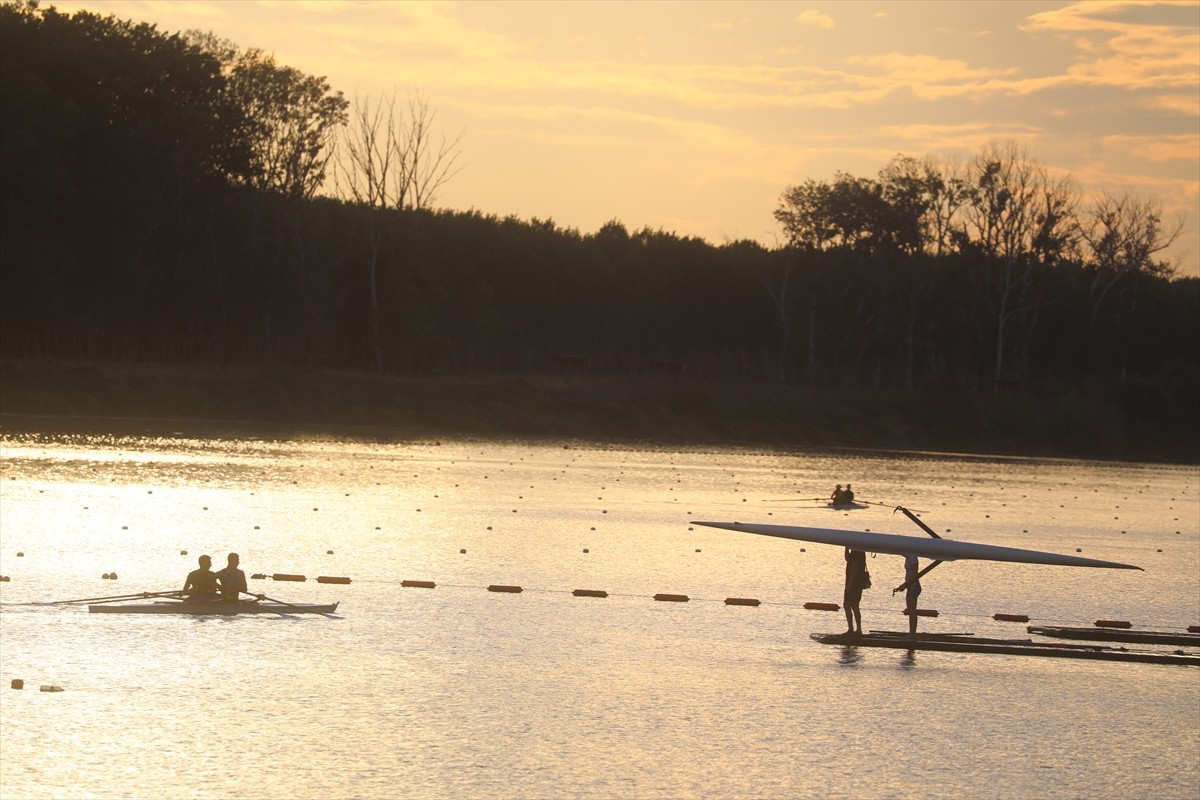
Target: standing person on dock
{"x":912,"y":585}
{"x":232,"y":579}
{"x":856,"y":581}
{"x":201,"y":583}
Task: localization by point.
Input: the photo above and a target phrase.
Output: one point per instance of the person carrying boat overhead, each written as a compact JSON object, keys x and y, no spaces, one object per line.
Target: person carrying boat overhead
{"x":912,"y":587}
{"x":201,"y":583}
{"x":857,"y":579}
{"x":232,"y":579}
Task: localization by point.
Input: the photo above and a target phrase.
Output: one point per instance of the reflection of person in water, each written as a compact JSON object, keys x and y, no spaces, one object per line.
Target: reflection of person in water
{"x":856,"y":571}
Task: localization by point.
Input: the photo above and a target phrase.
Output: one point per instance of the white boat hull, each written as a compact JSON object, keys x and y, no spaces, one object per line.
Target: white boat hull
{"x":924,"y":547}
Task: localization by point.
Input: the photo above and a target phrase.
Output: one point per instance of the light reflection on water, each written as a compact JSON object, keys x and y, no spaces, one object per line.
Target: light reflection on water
{"x":460,"y":692}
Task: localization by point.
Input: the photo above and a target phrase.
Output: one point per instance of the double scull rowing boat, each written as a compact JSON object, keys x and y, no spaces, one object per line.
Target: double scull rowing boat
{"x":218,"y":607}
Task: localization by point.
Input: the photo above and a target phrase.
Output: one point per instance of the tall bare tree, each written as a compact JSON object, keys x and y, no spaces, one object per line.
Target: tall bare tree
{"x":1020,"y":220}
{"x":1125,"y":236}
{"x":391,"y":159}
{"x":1126,"y":233}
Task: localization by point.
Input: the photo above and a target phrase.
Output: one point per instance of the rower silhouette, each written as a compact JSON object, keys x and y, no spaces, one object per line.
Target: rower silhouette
{"x":201,"y":583}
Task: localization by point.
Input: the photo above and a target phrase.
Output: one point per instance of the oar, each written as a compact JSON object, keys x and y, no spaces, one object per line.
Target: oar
{"x":797,"y":500}
{"x":280,"y":602}
{"x":892,"y":506}
{"x":139,"y":596}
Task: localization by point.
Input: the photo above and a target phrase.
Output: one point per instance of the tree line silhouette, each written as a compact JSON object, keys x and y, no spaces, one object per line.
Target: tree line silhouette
{"x":160,"y":201}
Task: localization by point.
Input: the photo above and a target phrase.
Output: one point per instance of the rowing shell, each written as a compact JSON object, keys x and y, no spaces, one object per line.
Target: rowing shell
{"x":893,"y":544}
{"x":213,"y":608}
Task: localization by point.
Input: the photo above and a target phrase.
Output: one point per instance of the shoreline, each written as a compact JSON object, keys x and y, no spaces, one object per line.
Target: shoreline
{"x":677,"y":411}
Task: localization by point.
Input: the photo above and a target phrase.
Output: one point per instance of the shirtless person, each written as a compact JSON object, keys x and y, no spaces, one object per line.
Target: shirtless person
{"x":201,"y":584}
{"x":232,"y":579}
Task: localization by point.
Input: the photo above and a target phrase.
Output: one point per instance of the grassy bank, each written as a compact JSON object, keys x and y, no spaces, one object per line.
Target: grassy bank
{"x":669,"y":411}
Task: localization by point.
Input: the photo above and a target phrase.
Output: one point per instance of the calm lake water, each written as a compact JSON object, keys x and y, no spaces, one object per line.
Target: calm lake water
{"x":461,"y":692}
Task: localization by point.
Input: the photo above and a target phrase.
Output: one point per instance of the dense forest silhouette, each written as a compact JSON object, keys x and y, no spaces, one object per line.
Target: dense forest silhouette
{"x":161,"y":201}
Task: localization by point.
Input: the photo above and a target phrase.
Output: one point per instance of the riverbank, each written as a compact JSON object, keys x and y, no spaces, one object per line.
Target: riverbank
{"x":662,"y":410}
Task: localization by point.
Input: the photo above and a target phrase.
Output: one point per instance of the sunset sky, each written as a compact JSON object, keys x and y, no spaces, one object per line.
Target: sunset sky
{"x":693,"y":117}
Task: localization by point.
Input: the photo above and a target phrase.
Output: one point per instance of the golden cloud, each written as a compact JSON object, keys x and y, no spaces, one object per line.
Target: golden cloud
{"x":816,"y":19}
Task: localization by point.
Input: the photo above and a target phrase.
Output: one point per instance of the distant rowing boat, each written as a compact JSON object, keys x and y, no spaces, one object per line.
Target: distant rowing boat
{"x":204,"y":609}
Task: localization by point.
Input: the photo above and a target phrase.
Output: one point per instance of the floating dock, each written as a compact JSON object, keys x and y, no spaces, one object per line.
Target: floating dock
{"x":968,"y":643}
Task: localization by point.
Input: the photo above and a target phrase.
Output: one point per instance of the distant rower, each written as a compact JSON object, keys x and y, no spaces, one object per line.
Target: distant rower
{"x":842,"y":497}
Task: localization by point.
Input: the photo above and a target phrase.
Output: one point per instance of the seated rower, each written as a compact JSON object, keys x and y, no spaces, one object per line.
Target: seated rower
{"x":201,"y":584}
{"x":232,"y":580}
{"x":847,"y":496}
{"x":838,"y":496}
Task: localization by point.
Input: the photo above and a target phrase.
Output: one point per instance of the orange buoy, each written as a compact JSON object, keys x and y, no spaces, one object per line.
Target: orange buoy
{"x":671,"y":598}
{"x":328,"y":579}
{"x":496,"y":587}
{"x":590,"y":593}
{"x":283,"y":576}
{"x":1113,"y":623}
{"x":418,"y":584}
{"x":822,"y":606}
{"x":1011,"y":617}
{"x":4,"y":578}
{"x":741,"y":601}
{"x":18,"y":683}
{"x":921,"y":612}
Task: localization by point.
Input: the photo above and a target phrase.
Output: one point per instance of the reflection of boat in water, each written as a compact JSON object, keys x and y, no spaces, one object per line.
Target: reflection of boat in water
{"x":846,"y":506}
